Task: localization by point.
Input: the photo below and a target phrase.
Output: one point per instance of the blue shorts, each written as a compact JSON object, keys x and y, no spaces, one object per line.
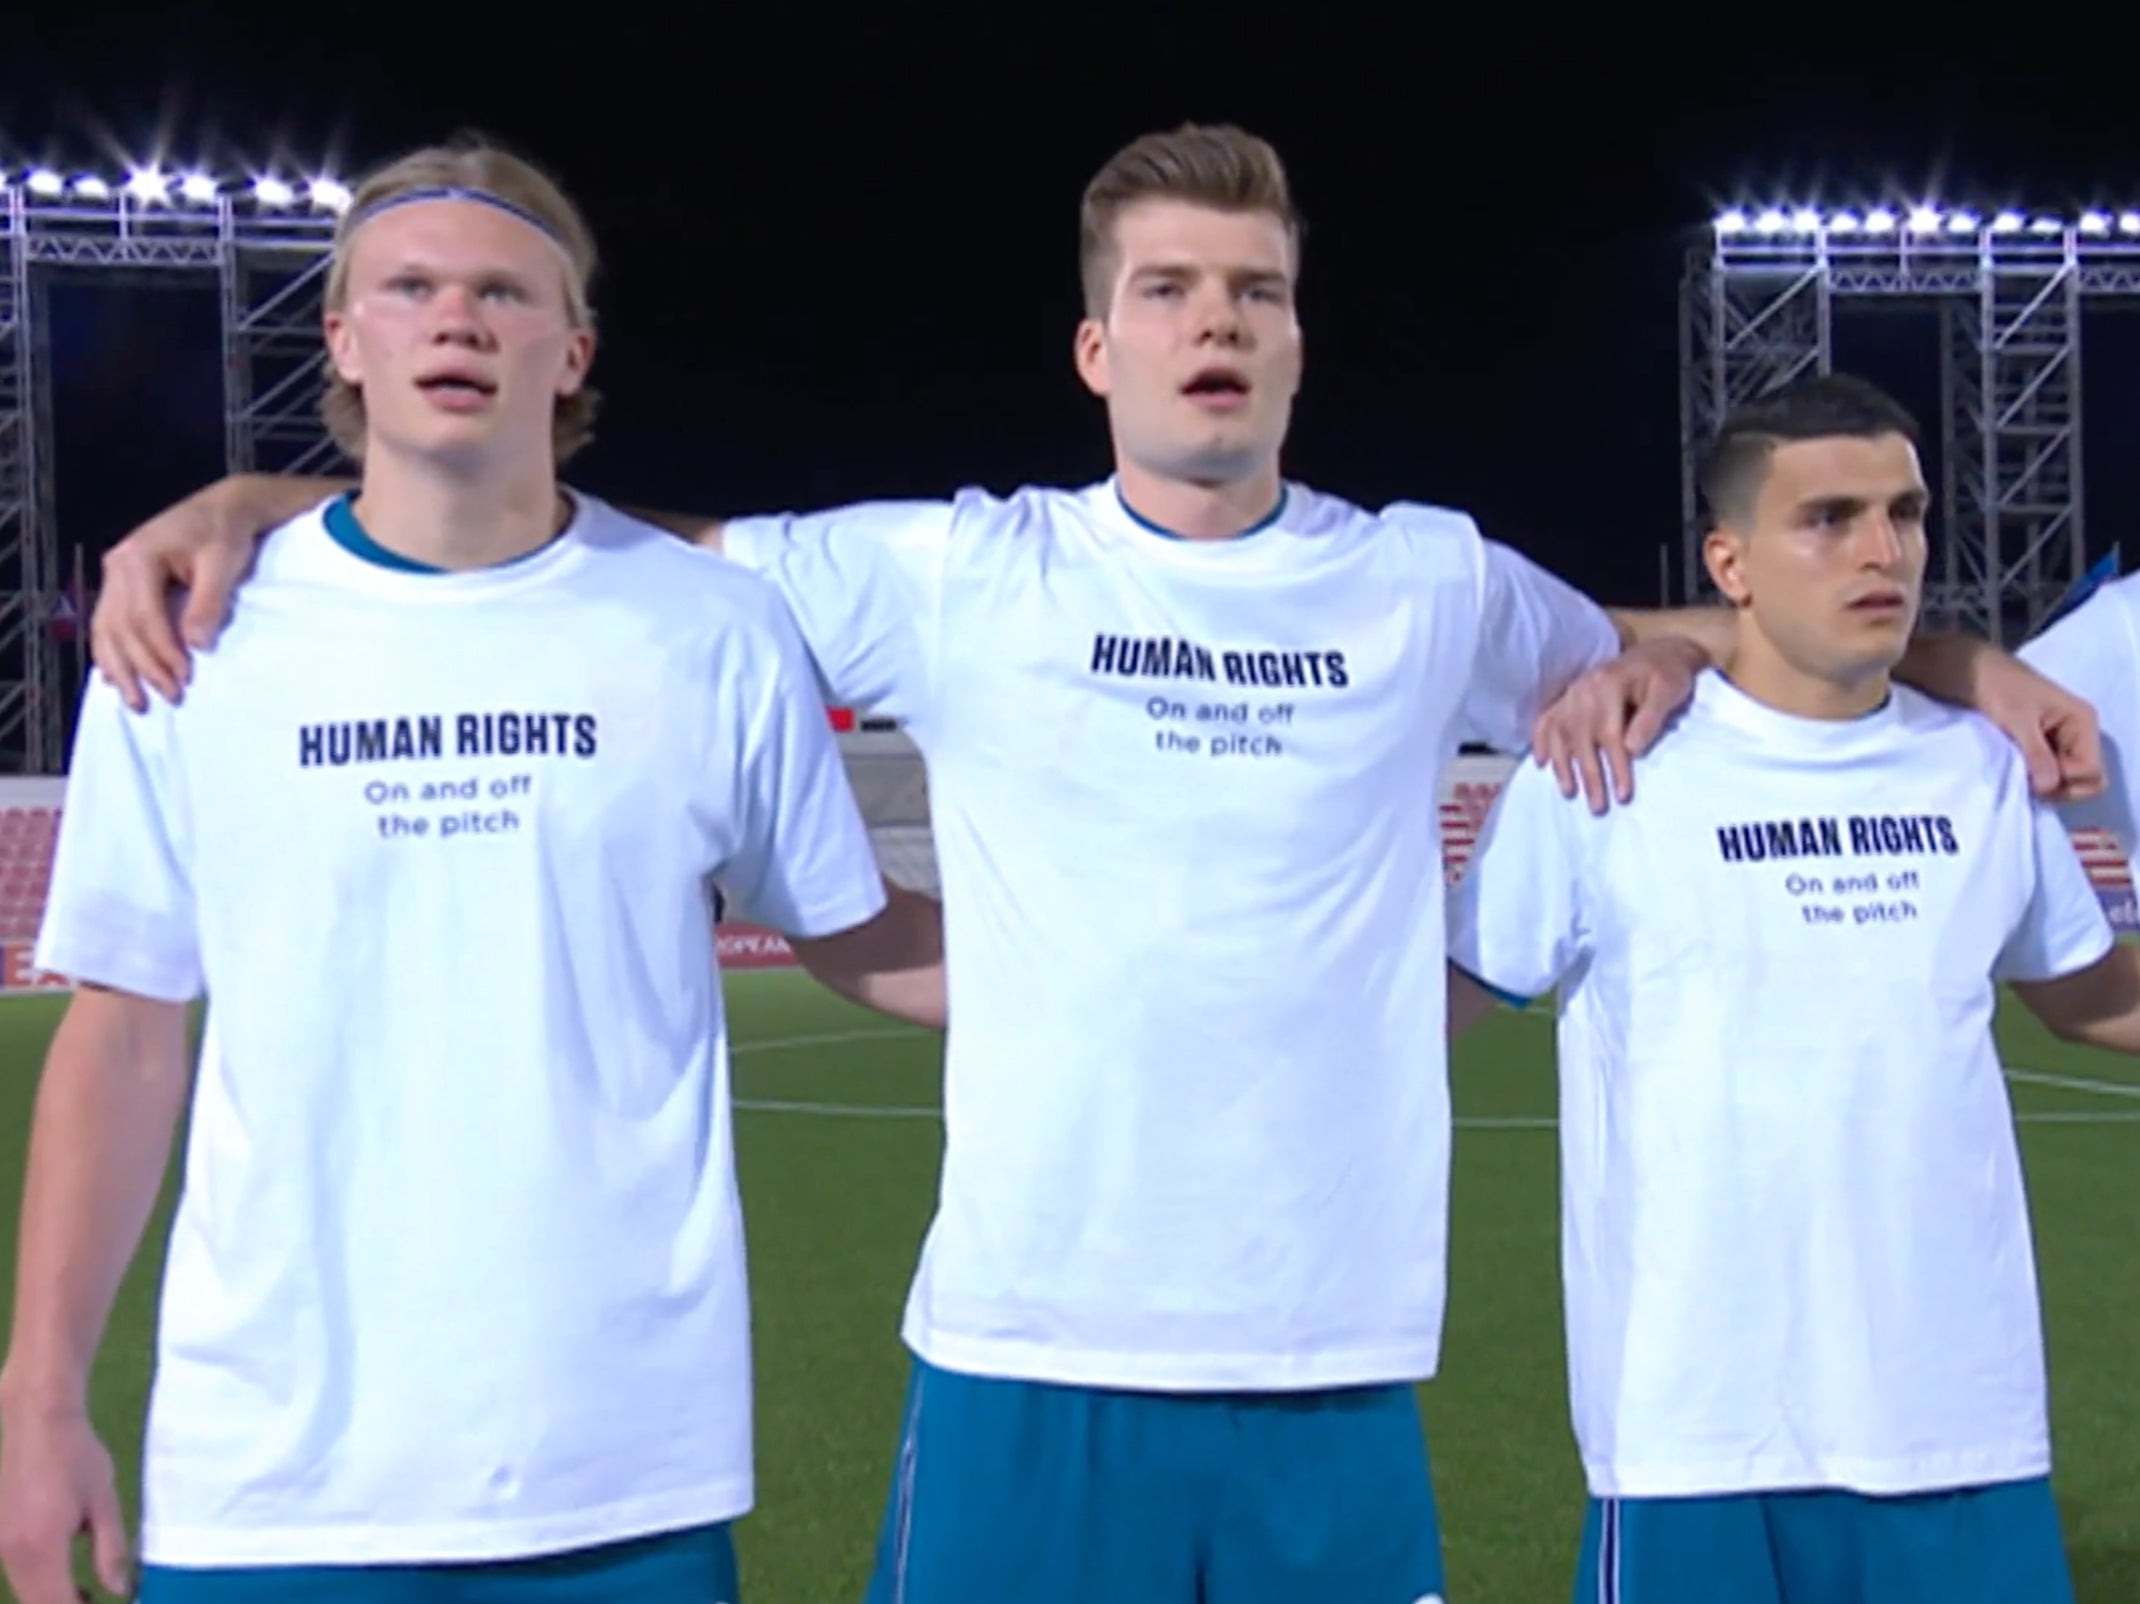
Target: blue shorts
{"x":1014,"y":1490}
{"x":689,"y":1567}
{"x":1979,"y":1545}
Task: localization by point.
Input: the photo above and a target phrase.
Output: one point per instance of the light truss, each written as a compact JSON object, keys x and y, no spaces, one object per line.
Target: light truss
{"x":267,"y":241}
{"x":1758,"y":306}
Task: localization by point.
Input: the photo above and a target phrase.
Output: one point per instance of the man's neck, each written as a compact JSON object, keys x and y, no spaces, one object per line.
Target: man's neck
{"x":1199,"y":511}
{"x":458,"y":521}
{"x":1774,"y":682}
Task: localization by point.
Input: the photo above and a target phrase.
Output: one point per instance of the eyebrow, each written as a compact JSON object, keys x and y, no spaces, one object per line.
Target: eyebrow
{"x":1239,"y":275}
{"x":493,"y":273}
{"x":1912,"y":497}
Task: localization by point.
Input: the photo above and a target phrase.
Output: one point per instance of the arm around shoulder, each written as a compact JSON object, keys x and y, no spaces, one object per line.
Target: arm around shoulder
{"x":864,"y":585}
{"x":703,"y":532}
{"x":202,"y":546}
{"x":2057,"y":732}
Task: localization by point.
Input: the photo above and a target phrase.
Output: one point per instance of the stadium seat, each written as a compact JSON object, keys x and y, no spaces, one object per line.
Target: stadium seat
{"x":27,"y":836}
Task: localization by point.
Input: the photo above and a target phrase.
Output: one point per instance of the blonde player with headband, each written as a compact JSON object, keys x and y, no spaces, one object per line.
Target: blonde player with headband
{"x":455,"y":1305}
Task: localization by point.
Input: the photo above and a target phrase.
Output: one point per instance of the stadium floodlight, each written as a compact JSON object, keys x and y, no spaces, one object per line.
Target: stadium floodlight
{"x":1806,"y":220}
{"x":1731,"y":222}
{"x":2095,"y":223}
{"x":1925,"y":220}
{"x":1771,"y":222}
{"x":329,"y":195}
{"x":273,"y":192}
{"x":2047,"y":225}
{"x":177,"y":214}
{"x":1964,"y":223}
{"x":2129,"y":222}
{"x":1879,"y":221}
{"x":149,"y":185}
{"x":2008,"y":223}
{"x":1844,"y":223}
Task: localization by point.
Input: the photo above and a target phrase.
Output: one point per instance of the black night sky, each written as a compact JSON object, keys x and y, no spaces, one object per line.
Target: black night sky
{"x":840,"y":254}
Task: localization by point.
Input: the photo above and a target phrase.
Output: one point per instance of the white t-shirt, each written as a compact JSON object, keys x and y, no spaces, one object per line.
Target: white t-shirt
{"x":1795,"y":1239}
{"x":458,"y":1270}
{"x":1183,"y":796}
{"x":2094,"y":652}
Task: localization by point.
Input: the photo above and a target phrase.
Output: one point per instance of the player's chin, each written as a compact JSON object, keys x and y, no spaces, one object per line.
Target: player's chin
{"x":460,"y":439}
{"x":1221,"y":454}
{"x":1878,"y":655}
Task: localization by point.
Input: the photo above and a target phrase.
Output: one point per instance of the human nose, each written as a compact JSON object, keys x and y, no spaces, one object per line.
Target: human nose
{"x":1880,"y":541}
{"x":456,"y":315}
{"x":1219,"y":318}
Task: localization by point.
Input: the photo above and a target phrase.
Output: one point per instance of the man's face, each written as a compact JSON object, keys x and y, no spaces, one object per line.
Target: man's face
{"x":456,"y":328}
{"x":1832,"y":567}
{"x":1199,"y":354}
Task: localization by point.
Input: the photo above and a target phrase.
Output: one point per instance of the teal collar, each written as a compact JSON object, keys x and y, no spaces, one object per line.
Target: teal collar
{"x":349,"y":534}
{"x":1165,"y":533}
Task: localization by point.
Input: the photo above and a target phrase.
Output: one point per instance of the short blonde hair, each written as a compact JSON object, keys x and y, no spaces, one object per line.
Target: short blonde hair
{"x":1222,"y":167}
{"x":480,"y":165}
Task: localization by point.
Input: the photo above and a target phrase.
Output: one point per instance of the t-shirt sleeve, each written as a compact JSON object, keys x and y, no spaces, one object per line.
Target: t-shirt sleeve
{"x":2094,"y":653}
{"x":803,"y":863}
{"x":2062,"y":929}
{"x":865,"y":584}
{"x":120,"y":911}
{"x":1537,"y":635}
{"x":1516,"y":917}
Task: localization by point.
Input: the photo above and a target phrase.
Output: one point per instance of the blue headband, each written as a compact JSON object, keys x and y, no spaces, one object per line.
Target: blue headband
{"x":482,"y":197}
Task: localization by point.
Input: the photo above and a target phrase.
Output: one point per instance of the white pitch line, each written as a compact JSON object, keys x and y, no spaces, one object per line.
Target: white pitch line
{"x":774,"y":1044}
{"x":2072,"y":1083}
{"x":759,"y":1105}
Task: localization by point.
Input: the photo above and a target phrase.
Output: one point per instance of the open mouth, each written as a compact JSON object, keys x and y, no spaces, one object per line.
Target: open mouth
{"x":1218,"y":384}
{"x":457,"y":386}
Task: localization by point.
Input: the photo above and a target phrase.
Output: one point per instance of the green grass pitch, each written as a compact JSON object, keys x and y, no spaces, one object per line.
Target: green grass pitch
{"x":839,"y":1147}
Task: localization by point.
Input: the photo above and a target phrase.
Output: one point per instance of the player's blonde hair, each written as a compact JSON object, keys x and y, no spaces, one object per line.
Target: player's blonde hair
{"x":469,"y":163}
{"x":1222,"y":167}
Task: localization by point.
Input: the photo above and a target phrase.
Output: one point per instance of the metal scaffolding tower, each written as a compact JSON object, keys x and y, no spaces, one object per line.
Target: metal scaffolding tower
{"x":27,"y":559}
{"x":267,"y":242}
{"x":1757,"y":308}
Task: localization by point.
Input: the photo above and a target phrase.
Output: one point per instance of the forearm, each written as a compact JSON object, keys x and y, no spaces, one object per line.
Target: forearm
{"x":1714,"y":629}
{"x":913,"y":996}
{"x":1946,"y":666}
{"x":265,"y":501}
{"x":107,"y":1109}
{"x":2119,"y":1035}
{"x":2098,"y":1007}
{"x":2112,"y":1033}
{"x":1469,"y":1002}
{"x":893,"y":965}
{"x":701,"y":531}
